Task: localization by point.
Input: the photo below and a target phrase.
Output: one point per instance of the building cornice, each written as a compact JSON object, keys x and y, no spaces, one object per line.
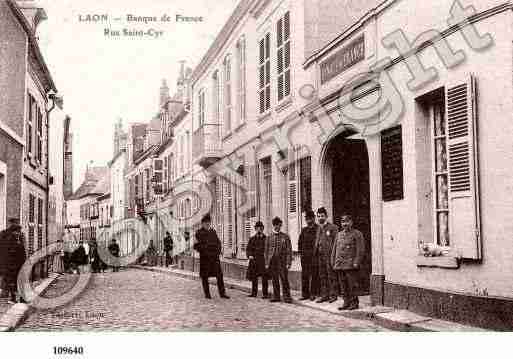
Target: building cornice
{"x":508,"y":6}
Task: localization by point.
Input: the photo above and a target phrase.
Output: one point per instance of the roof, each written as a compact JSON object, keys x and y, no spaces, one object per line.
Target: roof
{"x":222,"y":37}
{"x":92,"y":183}
{"x":33,"y":43}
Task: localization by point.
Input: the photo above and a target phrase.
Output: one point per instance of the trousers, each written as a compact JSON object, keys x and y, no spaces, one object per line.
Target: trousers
{"x":348,"y":281}
{"x":328,"y":279}
{"x":279,"y":273}
{"x":309,"y":276}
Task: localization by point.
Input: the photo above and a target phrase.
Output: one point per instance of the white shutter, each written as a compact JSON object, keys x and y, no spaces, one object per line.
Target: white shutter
{"x":293,"y":199}
{"x":464,"y":224}
{"x":158,"y":172}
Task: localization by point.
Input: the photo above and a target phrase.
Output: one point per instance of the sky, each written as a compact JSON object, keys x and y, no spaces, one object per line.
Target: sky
{"x":104,"y":78}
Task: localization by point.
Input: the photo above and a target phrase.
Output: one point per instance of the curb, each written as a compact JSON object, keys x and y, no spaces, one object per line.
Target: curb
{"x":17,"y":314}
{"x":386,"y":317}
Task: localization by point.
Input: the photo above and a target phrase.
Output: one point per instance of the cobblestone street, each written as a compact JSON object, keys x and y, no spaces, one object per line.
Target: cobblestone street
{"x":137,"y":300}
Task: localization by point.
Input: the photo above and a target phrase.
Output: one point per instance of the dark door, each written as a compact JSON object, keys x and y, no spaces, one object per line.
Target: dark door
{"x":351,"y":194}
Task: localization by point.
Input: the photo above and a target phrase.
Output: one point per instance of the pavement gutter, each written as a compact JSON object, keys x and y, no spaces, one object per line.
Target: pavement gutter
{"x":17,"y":314}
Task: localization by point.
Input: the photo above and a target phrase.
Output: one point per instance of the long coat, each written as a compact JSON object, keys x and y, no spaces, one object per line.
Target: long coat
{"x":348,"y":251}
{"x":256,"y":249}
{"x":209,"y":247}
{"x":79,"y":256}
{"x":12,"y":256}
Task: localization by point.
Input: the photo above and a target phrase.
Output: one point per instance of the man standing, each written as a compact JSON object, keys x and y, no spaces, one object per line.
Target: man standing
{"x":347,"y":256}
{"x":255,"y":252}
{"x":168,"y":248}
{"x":12,"y":256}
{"x":325,"y":238}
{"x":306,"y":245}
{"x":278,"y":259}
{"x":79,"y":257}
{"x":209,"y":247}
{"x":114,"y":251}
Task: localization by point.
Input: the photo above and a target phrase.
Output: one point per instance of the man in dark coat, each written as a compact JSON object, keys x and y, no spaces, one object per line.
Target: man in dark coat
{"x":94,"y":257}
{"x":278,"y":259}
{"x":348,"y":253}
{"x":326,"y":235}
{"x":306,"y":243}
{"x":255,"y":252}
{"x":114,"y":251}
{"x":168,"y":248}
{"x":209,"y":247}
{"x":12,"y":256}
{"x":79,"y":257}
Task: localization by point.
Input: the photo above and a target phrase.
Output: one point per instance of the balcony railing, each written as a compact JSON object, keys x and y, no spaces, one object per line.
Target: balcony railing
{"x":207,"y":147}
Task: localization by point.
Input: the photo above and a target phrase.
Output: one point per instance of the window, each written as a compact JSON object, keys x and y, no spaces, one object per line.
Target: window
{"x":305,"y":183}
{"x":201,"y":109}
{"x":283,"y":55}
{"x":40,"y":223}
{"x":241,"y":90}
{"x":227,"y":95}
{"x":264,"y":86}
{"x":39,"y":138}
{"x":448,"y":188}
{"x":31,"y":223}
{"x":267,"y":188}
{"x":182,"y":151}
{"x":441,"y":174}
{"x":392,"y":164}
{"x":216,"y":97}
{"x":30,"y":124}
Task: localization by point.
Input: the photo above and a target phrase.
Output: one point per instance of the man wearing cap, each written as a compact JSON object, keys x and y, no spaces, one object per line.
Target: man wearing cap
{"x":325,"y":238}
{"x":346,"y":258}
{"x":306,"y":244}
{"x":278,"y":259}
{"x":12,"y":256}
{"x":209,"y":247}
{"x":255,"y":251}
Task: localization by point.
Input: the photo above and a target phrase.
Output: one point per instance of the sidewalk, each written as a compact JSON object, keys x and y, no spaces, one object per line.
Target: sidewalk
{"x":11,"y":315}
{"x":395,"y":319}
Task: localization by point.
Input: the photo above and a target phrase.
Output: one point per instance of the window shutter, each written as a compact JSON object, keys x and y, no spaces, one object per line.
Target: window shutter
{"x":164,"y":175}
{"x":229,"y":215}
{"x":464,"y":224}
{"x":293,"y":200}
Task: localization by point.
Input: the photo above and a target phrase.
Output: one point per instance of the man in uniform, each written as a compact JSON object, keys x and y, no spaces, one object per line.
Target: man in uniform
{"x":12,"y":256}
{"x":114,"y":251}
{"x":326,"y":234}
{"x":347,"y":256}
{"x":278,"y":259}
{"x":306,"y":245}
{"x":255,"y":251}
{"x":209,"y":247}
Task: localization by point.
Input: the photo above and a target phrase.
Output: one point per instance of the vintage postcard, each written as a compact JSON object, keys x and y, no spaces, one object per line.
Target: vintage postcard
{"x":255,"y":166}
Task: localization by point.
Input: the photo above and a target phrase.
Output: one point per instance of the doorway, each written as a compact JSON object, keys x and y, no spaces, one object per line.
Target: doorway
{"x":348,"y":161}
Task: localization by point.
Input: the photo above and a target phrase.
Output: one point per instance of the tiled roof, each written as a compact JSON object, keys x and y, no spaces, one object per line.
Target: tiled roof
{"x":95,"y":180}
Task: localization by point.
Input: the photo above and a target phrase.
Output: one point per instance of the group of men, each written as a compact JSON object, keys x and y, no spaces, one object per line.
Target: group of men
{"x":330,"y":259}
{"x":12,"y":257}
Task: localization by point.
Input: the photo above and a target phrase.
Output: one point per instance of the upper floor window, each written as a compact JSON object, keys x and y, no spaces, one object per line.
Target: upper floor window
{"x":34,"y":136}
{"x":216,"y":97}
{"x":264,"y":68}
{"x":228,"y":94}
{"x":201,"y":108}
{"x":241,"y":93}
{"x":283,"y":55}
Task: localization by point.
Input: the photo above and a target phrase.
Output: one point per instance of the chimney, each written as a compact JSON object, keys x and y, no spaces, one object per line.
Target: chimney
{"x":33,"y":12}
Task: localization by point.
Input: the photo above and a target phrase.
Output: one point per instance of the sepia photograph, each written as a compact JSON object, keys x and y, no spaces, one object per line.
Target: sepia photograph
{"x":248,"y":166}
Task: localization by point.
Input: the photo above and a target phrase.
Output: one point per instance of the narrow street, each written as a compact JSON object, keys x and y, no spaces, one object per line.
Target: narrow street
{"x":137,"y":300}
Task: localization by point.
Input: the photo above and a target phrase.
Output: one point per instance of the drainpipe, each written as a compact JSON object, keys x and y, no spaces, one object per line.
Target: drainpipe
{"x":56,"y":101}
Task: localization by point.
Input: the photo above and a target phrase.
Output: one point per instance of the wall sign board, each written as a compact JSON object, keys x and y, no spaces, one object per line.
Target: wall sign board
{"x":343,"y":59}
